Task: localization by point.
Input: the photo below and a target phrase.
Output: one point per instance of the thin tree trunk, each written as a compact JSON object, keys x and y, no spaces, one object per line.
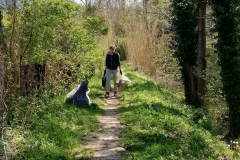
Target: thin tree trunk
{"x":201,"y":61}
{"x":145,"y":6}
{"x":2,"y":51}
{"x":193,"y":86}
{"x":234,"y":121}
{"x":190,"y":84}
{"x":14,"y":51}
{"x":2,"y":88}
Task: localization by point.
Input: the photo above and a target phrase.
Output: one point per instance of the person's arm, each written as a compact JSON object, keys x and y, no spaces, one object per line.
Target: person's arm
{"x":119,"y":64}
{"x":106,"y":62}
{"x":120,"y":70}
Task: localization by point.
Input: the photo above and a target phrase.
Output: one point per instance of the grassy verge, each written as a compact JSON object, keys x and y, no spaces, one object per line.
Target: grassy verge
{"x":55,"y":130}
{"x":158,"y":125}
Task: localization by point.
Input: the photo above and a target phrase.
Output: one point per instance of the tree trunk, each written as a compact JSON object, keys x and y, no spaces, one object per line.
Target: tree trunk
{"x":2,"y":84}
{"x":193,"y":91}
{"x":15,"y":52}
{"x":201,"y":61}
{"x":234,"y":121}
{"x":190,"y":84}
{"x":226,"y":25}
{"x":2,"y":51}
{"x":145,"y":6}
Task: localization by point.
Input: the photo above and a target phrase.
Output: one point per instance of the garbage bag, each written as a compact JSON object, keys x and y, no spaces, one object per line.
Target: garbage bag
{"x":123,"y":81}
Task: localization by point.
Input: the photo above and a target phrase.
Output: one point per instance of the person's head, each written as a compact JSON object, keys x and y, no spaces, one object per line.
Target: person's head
{"x":112,"y":48}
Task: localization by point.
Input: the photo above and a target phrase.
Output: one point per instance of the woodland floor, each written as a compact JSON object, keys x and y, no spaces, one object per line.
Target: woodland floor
{"x":106,"y":144}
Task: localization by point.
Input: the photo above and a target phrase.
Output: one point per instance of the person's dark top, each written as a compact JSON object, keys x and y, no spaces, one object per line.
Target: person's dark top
{"x":112,"y":61}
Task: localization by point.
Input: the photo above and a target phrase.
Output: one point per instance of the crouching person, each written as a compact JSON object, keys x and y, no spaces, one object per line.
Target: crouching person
{"x":79,"y":95}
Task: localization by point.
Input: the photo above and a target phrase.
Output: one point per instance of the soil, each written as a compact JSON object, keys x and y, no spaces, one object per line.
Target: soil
{"x":106,"y":144}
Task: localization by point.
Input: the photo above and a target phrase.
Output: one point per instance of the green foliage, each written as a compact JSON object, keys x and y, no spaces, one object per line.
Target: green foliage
{"x":55,"y":129}
{"x":45,"y":27}
{"x":93,"y":22}
{"x":96,"y":25}
{"x":227,"y":47}
{"x":121,"y":49}
{"x":184,"y":23}
{"x":158,"y":125}
{"x":50,"y":33}
{"x":214,"y":99}
{"x":53,"y":33}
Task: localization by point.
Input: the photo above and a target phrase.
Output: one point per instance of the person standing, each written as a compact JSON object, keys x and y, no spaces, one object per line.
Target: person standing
{"x":112,"y":64}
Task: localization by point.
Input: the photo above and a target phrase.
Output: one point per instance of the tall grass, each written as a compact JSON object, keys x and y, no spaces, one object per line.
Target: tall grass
{"x":141,"y":32}
{"x":141,"y":43}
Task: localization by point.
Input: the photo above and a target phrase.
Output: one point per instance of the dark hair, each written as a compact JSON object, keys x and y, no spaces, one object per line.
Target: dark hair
{"x":111,"y":46}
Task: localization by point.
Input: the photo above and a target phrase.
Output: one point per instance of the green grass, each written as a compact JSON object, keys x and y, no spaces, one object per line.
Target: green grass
{"x":57,"y":130}
{"x":158,"y":125}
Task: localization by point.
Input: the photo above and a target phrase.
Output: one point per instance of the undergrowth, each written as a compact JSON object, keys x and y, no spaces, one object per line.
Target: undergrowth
{"x":55,"y":130}
{"x":158,"y":125}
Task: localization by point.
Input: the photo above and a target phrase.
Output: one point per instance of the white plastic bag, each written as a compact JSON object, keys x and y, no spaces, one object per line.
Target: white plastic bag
{"x":123,"y":81}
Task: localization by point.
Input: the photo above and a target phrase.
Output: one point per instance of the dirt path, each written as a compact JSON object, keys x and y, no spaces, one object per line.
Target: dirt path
{"x":106,"y":145}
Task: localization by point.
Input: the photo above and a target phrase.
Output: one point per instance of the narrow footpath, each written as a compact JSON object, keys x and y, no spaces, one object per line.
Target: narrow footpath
{"x":106,"y":144}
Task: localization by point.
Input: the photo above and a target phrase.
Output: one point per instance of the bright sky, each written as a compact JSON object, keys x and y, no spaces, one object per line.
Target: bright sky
{"x":78,"y":1}
{"x":128,"y":2}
